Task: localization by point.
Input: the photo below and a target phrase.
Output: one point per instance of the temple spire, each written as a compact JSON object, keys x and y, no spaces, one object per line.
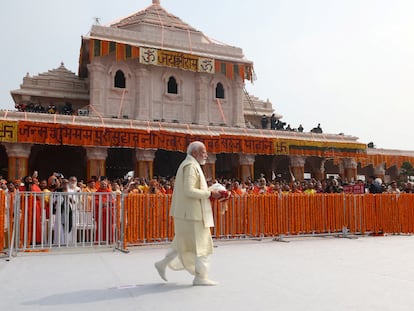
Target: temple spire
{"x":156,"y":2}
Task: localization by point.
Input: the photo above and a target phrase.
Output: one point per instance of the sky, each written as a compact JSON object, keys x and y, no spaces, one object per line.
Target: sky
{"x":346,"y":64}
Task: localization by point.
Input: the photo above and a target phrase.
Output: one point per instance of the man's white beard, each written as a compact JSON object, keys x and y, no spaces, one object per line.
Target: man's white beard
{"x":203,"y":161}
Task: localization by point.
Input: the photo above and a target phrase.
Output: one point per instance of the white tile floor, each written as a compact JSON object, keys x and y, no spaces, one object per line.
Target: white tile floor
{"x":368,"y":273}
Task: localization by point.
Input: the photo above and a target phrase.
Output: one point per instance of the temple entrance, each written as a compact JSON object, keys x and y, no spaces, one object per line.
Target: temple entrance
{"x":227,"y":165}
{"x":166,"y":162}
{"x":282,"y":168}
{"x":67,"y":160}
{"x":331,"y":169}
{"x":313,"y":166}
{"x":119,"y":162}
{"x":263,"y":166}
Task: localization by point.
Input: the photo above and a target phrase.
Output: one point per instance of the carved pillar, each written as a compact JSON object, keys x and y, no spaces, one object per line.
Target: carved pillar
{"x":246,"y":166}
{"x":350,"y":169}
{"x":142,"y":106}
{"x":379,"y":171}
{"x":201,"y":102}
{"x":18,"y":155}
{"x":145,"y":161}
{"x":96,"y":161}
{"x":297,"y":164}
{"x":209,"y":168}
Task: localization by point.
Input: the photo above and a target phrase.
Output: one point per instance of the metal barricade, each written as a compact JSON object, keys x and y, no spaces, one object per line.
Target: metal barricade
{"x":40,"y":221}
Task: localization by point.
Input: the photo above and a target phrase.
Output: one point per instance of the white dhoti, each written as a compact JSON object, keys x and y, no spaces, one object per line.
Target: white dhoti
{"x":192,"y":240}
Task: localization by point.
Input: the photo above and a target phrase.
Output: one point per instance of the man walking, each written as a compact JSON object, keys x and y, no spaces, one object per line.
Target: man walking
{"x":193,"y":217}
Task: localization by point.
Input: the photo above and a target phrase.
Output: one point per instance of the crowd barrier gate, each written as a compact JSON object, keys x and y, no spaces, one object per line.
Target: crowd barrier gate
{"x":33,"y":221}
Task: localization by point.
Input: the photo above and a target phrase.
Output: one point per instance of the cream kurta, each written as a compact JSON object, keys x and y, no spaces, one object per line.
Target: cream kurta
{"x":193,"y":217}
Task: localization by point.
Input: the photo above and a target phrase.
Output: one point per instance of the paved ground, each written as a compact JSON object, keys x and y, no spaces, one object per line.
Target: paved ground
{"x":368,"y":273}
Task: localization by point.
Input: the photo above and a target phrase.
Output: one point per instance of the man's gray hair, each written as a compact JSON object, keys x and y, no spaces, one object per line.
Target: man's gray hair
{"x":194,"y":146}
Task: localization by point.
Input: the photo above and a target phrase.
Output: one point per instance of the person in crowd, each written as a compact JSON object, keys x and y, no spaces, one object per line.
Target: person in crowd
{"x":264,"y":121}
{"x":296,"y":188}
{"x":408,"y":188}
{"x":286,"y":189}
{"x":67,"y":109}
{"x":103,"y":206}
{"x":319,"y":187}
{"x":90,"y":187}
{"x":86,"y":220}
{"x":51,"y":109}
{"x":277,"y":188}
{"x":73,"y":184}
{"x":261,"y":186}
{"x":191,"y":208}
{"x":63,"y":208}
{"x":168,"y":187}
{"x":154,"y":187}
{"x":393,"y":187}
{"x":317,"y":129}
{"x":273,"y":121}
{"x":236,"y":189}
{"x":332,"y":186}
{"x":29,"y":186}
{"x":142,"y":185}
{"x":44,"y":188}
{"x":17,"y":184}
{"x":11,"y":188}
{"x":310,"y":188}
{"x":9,"y":219}
{"x":132,"y":187}
{"x":3,"y":185}
{"x":375,"y":185}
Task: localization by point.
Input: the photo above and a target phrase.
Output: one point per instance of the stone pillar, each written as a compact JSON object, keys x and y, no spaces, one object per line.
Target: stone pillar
{"x":145,"y":160}
{"x":320,"y":172}
{"x":209,"y":168}
{"x":237,"y":105}
{"x":379,"y":171}
{"x":18,"y":155}
{"x":350,"y":169}
{"x":96,"y":161}
{"x":201,"y":102}
{"x":97,"y":90}
{"x":297,"y":164}
{"x":142,"y":106}
{"x":246,"y":166}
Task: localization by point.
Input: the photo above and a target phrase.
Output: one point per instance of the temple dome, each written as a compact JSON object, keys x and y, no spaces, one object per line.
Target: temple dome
{"x":156,"y":15}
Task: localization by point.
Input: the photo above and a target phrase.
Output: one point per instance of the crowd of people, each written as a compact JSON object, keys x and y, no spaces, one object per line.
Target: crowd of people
{"x":102,"y":191}
{"x":276,"y":124}
{"x":51,"y":108}
{"x":165,"y":185}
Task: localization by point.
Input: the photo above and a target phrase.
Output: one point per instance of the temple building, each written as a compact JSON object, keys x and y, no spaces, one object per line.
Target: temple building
{"x":149,"y":84}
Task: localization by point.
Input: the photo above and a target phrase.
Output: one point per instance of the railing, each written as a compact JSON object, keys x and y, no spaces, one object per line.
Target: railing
{"x":32,"y":221}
